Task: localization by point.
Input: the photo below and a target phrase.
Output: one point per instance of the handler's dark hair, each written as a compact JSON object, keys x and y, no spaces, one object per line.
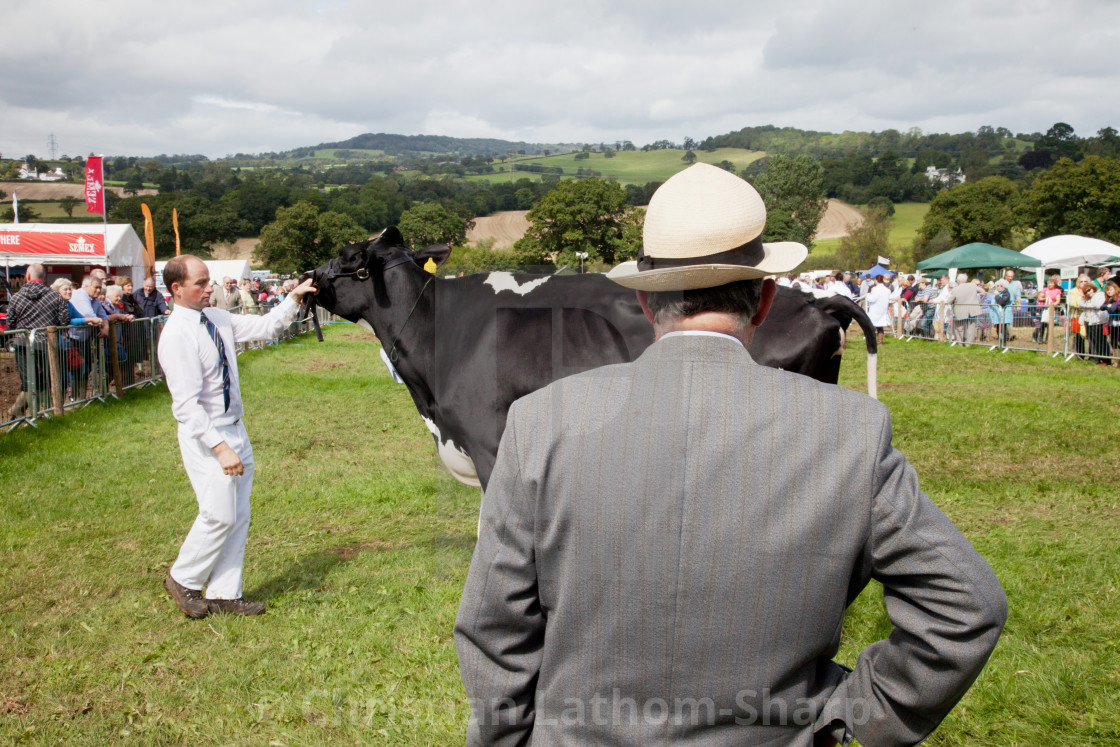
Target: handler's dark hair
{"x":175,"y":271}
{"x":740,"y":298}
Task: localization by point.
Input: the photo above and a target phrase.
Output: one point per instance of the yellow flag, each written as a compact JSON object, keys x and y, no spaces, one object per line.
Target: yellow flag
{"x":175,"y":225}
{"x":149,"y":237}
{"x":430,"y":265}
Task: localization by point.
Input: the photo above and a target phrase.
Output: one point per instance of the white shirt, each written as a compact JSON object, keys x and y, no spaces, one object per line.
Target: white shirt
{"x":839,"y":288}
{"x":878,"y":305}
{"x":190,"y":364}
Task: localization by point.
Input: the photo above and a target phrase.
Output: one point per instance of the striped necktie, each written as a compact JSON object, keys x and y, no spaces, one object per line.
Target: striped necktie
{"x":213,"y":332}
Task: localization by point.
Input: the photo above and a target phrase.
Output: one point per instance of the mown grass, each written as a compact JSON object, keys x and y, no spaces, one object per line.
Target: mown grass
{"x":361,"y":541}
{"x":628,"y":167}
{"x":905,"y":223}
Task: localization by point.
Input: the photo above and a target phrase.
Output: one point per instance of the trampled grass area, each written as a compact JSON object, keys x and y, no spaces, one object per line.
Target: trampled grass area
{"x":628,"y":167}
{"x":361,"y":541}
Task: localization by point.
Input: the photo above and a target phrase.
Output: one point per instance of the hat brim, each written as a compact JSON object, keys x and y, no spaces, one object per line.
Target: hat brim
{"x":780,"y":257}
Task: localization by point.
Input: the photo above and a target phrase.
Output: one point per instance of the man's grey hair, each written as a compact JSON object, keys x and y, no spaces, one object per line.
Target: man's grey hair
{"x":89,"y":280}
{"x":740,"y":299}
{"x":36,"y":272}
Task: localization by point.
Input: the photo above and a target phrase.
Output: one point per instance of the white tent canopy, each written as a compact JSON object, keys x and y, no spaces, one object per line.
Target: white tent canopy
{"x":115,"y":245}
{"x":238,"y":269}
{"x":1071,"y":251}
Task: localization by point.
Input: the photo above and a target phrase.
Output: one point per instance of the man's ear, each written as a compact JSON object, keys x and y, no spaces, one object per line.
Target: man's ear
{"x":438,"y":253}
{"x":643,"y":301}
{"x":769,"y":290}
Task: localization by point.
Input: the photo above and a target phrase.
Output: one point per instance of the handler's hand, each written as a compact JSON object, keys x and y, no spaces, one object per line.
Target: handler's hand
{"x":227,"y":457}
{"x":302,"y":290}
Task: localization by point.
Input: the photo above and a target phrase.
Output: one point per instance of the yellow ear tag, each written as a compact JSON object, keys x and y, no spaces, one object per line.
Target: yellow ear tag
{"x":430,"y":265}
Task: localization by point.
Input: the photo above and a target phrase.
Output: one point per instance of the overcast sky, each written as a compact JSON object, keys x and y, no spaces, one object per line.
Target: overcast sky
{"x":142,"y":78}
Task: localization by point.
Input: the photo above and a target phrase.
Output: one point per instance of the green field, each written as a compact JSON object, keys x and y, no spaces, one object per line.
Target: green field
{"x":628,"y":167}
{"x":361,"y":541}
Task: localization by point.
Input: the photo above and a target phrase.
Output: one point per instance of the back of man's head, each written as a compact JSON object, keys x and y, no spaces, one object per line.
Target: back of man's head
{"x":739,"y":299}
{"x":36,"y":272}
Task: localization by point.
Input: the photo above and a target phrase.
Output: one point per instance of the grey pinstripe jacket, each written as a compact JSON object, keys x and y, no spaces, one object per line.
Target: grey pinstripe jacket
{"x":666,"y":551}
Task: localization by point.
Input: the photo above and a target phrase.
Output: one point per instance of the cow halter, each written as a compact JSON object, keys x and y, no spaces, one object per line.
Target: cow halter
{"x":410,"y":257}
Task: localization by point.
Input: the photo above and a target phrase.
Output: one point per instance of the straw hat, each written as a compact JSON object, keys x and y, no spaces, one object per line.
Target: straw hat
{"x":703,"y":228}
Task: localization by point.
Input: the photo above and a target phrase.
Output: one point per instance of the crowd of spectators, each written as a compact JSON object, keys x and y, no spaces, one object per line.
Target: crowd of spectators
{"x":978,"y":310}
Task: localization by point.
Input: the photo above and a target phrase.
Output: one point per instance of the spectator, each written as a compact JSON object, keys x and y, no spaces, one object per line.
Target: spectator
{"x":839,"y":287}
{"x":115,"y":308}
{"x":997,"y":301}
{"x":248,"y":301}
{"x":1047,"y":300}
{"x":717,"y":569}
{"x":69,"y":352}
{"x":85,"y":301}
{"x":964,"y":301}
{"x":226,"y":296}
{"x":1112,"y":308}
{"x":1103,"y":274}
{"x":940,"y":314}
{"x":922,"y":312}
{"x":149,"y":301}
{"x":879,"y":306}
{"x":1015,"y":291}
{"x":786,"y":280}
{"x":1093,"y":319}
{"x":35,"y":306}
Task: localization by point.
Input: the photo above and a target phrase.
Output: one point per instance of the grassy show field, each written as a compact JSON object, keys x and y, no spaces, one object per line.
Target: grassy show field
{"x":361,"y":542}
{"x":906,"y":222}
{"x":628,"y":167}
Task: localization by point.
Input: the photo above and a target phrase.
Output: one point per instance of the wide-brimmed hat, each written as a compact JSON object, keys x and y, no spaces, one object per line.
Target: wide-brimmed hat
{"x":703,"y":228}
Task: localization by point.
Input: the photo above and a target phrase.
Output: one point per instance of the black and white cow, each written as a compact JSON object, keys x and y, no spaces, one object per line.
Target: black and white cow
{"x":468,"y":347}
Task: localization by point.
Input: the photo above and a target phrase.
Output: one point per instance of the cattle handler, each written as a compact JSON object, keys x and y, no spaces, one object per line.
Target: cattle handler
{"x":199,"y":360}
{"x":668,"y":546}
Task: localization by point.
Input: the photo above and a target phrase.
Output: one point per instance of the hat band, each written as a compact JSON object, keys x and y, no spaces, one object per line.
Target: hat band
{"x":749,"y":254}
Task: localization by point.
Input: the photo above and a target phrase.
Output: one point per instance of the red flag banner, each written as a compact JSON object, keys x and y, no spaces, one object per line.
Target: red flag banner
{"x":41,"y":243}
{"x":95,"y":189}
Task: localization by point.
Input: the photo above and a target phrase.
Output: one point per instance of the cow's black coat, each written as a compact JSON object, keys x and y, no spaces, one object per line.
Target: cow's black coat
{"x":467,"y":351}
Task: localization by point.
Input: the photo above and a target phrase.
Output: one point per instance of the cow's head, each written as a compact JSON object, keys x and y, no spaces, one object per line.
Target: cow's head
{"x":371,"y":274}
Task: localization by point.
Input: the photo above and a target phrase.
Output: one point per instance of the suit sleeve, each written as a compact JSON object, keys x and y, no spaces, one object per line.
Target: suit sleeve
{"x":946,"y":607}
{"x":499,"y":633}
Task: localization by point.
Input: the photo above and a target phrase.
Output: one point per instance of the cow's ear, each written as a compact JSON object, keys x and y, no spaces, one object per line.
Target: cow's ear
{"x":437,"y":252}
{"x":391,"y":236}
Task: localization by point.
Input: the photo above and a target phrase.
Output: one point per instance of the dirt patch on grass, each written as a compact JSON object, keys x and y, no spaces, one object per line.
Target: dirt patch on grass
{"x":13,"y":705}
{"x":320,"y":365}
{"x":503,"y":228}
{"x":347,"y":552}
{"x":240,"y":249}
{"x":836,"y":219}
{"x":58,"y":190}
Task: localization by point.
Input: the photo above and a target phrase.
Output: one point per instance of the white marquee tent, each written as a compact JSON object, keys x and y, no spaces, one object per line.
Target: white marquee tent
{"x":237,"y":269}
{"x":1071,"y":251}
{"x":115,"y":246}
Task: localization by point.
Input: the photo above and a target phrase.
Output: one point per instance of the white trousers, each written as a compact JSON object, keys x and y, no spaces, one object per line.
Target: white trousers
{"x":214,"y":550}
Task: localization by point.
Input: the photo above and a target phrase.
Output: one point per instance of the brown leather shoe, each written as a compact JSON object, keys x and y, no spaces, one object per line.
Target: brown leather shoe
{"x":190,"y":601}
{"x":237,"y":606}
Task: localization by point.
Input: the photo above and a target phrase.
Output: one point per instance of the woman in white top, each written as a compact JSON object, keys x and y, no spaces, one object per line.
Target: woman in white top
{"x":879,"y":306}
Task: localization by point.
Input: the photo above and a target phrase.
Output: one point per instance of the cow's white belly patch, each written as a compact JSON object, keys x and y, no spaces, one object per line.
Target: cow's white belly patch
{"x":363,"y":323}
{"x":504,"y":281}
{"x":455,"y":459}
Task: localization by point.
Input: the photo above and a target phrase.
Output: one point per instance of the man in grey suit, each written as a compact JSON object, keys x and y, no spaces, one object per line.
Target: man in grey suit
{"x":964,"y":300}
{"x":226,"y":296}
{"x":667,"y":547}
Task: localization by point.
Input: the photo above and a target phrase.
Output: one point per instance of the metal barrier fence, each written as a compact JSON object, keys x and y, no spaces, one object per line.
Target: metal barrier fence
{"x":1059,"y":329}
{"x":46,"y":372}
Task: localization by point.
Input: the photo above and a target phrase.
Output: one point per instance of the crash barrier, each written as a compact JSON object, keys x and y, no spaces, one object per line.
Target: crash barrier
{"x":49,"y":371}
{"x":1057,"y":330}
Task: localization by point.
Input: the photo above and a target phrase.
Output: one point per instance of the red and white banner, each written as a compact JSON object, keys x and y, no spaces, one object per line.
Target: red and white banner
{"x":37,"y":243}
{"x":95,"y":189}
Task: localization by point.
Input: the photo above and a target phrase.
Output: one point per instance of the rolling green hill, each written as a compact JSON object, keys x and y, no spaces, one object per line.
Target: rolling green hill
{"x":628,"y":167}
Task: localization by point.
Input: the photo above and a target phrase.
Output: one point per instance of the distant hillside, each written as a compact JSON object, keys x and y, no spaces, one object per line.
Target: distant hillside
{"x":427,"y":145}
